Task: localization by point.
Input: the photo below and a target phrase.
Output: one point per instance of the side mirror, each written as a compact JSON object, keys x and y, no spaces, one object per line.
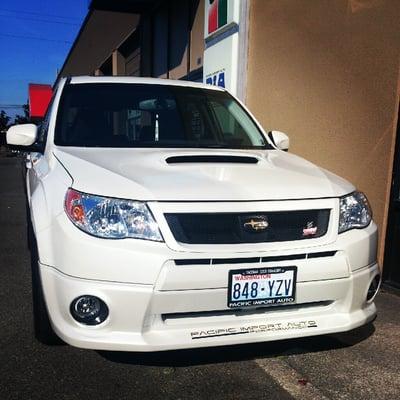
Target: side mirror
{"x":279,"y":139}
{"x":23,"y":135}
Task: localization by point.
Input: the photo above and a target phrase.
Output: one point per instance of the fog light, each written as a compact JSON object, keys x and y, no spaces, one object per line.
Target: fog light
{"x":373,"y":287}
{"x":89,"y":310}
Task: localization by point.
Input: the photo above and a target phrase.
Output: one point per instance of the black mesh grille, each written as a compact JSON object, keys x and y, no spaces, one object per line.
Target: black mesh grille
{"x":229,"y":228}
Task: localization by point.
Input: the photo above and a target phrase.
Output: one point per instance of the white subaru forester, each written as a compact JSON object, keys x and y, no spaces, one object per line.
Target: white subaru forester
{"x":162,"y":216}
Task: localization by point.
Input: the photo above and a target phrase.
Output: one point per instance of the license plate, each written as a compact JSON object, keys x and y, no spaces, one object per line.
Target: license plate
{"x":261,"y":286}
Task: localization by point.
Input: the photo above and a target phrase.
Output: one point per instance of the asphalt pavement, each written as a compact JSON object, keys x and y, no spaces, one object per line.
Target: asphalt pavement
{"x":362,"y":364}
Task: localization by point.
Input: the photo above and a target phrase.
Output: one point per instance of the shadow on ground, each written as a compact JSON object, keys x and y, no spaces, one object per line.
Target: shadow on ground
{"x":212,"y":355}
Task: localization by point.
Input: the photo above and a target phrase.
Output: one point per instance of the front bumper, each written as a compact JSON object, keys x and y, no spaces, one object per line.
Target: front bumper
{"x":157,"y":303}
{"x":143,"y":318}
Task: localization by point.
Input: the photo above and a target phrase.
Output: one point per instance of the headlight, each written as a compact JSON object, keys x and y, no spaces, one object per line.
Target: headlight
{"x":355,"y":212}
{"x":111,"y":218}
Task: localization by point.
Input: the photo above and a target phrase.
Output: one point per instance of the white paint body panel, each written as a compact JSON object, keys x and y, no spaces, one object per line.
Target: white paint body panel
{"x":141,"y":319}
{"x":21,"y":135}
{"x":140,"y":281}
{"x":143,"y":174}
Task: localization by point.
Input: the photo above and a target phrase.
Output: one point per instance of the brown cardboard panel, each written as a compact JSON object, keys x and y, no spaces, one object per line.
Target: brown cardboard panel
{"x":197,"y":36}
{"x":326,"y":72}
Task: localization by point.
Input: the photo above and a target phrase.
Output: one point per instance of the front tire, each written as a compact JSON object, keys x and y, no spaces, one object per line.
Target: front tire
{"x":43,"y":330}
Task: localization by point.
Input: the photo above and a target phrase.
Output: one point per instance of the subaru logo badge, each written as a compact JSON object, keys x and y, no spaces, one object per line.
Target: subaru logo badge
{"x":256,"y":224}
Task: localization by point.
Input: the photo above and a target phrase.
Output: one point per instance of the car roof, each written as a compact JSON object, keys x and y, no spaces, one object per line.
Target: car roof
{"x":132,"y":80}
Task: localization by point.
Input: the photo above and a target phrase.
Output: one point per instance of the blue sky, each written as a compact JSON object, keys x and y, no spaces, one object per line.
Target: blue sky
{"x":35,"y":37}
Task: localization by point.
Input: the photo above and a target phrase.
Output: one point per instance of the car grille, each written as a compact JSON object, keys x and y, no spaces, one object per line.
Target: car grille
{"x":231,"y":228}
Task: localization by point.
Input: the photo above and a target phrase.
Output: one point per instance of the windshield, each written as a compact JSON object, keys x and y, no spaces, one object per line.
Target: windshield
{"x":144,"y":115}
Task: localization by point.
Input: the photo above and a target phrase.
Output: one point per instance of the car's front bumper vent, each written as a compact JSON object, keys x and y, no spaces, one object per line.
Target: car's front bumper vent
{"x":253,"y":260}
{"x":240,"y":313}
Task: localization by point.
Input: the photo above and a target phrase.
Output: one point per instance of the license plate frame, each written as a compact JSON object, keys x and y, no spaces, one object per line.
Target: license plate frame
{"x":264,"y":301}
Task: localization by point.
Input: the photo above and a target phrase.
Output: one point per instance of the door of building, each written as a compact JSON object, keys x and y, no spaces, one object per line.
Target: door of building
{"x":391,"y":270}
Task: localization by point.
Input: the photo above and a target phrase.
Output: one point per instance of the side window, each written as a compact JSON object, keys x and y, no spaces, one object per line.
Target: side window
{"x":44,"y":125}
{"x":42,"y":132}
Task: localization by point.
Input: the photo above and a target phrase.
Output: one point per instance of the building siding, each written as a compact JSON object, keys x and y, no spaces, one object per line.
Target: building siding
{"x":327,"y":72}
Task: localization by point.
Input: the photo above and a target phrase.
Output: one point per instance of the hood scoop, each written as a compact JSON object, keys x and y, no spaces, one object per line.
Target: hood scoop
{"x":212,"y":159}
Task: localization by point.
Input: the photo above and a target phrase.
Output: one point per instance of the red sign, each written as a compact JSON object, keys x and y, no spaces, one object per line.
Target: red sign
{"x":213,"y":16}
{"x":217,"y":14}
{"x":39,"y":99}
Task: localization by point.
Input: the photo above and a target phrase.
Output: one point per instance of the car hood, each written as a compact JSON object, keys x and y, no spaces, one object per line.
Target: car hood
{"x":145,"y":174}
